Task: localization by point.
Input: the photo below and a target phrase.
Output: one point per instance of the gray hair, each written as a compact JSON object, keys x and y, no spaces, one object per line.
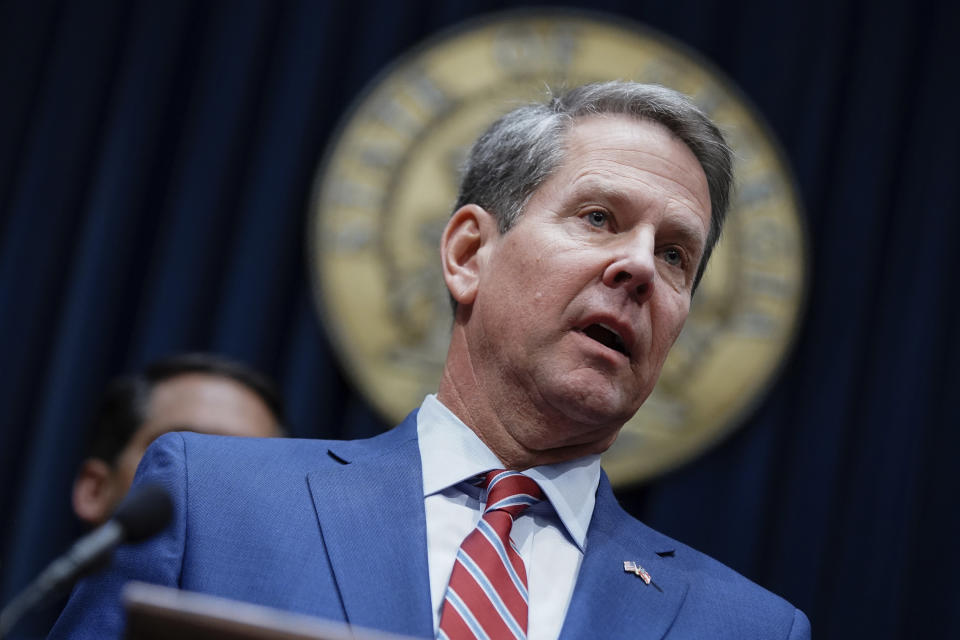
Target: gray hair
{"x":522,"y":149}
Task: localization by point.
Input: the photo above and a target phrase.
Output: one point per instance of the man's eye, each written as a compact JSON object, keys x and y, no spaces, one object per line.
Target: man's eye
{"x":673,"y":257}
{"x":597,"y":218}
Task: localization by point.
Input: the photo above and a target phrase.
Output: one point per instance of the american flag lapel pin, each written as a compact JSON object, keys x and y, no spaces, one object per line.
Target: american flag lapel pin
{"x":630,"y":566}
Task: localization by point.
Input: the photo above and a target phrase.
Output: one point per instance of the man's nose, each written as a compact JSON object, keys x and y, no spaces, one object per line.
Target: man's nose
{"x":633,"y":265}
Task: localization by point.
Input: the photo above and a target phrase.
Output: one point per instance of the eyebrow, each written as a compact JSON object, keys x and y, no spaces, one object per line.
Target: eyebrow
{"x":605,"y":193}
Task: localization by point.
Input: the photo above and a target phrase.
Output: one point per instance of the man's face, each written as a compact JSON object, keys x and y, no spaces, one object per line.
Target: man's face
{"x":198,"y":402}
{"x":205,"y":403}
{"x":579,"y":303}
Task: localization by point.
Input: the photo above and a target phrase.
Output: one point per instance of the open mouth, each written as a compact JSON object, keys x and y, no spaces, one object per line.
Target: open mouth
{"x":607,"y":337}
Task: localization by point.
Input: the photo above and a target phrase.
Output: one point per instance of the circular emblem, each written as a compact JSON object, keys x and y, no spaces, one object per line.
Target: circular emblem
{"x":387,"y":185}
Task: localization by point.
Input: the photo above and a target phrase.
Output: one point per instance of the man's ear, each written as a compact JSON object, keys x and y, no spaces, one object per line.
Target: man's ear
{"x":93,"y":491}
{"x":466,"y":233}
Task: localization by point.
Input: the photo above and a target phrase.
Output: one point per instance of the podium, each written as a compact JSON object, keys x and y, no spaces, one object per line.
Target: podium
{"x":160,"y":613}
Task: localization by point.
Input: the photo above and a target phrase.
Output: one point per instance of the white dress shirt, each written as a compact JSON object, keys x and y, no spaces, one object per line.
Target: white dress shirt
{"x":551,"y":535}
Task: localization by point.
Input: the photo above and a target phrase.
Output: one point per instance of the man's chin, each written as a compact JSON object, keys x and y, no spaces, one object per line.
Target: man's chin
{"x":594,"y":413}
{"x":596,"y":400}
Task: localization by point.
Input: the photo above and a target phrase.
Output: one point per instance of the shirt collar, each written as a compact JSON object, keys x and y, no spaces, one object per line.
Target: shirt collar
{"x":451,"y":452}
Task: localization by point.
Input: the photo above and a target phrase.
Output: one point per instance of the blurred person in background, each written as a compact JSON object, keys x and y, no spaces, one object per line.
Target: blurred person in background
{"x":200,"y":392}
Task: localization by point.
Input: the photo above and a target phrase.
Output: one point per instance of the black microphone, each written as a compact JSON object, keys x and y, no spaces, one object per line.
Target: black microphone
{"x":142,"y":514}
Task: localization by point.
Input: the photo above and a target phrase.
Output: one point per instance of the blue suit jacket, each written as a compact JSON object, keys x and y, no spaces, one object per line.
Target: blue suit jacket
{"x":336,"y":529}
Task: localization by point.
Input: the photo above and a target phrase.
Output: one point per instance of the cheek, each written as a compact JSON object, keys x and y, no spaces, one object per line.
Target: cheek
{"x":127,"y":468}
{"x":523,"y":289}
{"x":671,"y":317}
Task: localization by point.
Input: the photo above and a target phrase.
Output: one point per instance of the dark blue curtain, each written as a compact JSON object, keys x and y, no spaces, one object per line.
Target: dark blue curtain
{"x":155,"y":169}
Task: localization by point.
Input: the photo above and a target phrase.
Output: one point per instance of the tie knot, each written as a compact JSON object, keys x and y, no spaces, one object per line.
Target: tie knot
{"x":510,"y":491}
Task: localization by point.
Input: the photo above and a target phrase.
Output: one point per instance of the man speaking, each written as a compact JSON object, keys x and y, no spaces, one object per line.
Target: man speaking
{"x":580,"y":233}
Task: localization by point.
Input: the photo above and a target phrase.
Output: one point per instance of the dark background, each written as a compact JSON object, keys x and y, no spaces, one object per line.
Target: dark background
{"x":156,"y":160}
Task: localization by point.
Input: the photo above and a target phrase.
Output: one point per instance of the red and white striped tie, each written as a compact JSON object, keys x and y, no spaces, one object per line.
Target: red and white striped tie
{"x":487,"y":593}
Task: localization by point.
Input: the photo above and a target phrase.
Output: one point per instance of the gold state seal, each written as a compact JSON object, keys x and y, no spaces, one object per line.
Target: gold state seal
{"x":389,"y":179}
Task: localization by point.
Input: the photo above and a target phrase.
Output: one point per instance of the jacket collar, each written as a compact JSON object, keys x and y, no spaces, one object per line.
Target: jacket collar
{"x":375,"y":531}
{"x":609,"y":602}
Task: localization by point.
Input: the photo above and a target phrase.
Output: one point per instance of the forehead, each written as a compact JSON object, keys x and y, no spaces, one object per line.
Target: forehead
{"x":628,"y":158}
{"x":208,"y":403}
{"x":639,"y":142}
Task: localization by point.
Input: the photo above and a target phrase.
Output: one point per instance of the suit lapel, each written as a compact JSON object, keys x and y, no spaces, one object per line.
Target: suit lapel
{"x":610,"y":603}
{"x":372,"y":520}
